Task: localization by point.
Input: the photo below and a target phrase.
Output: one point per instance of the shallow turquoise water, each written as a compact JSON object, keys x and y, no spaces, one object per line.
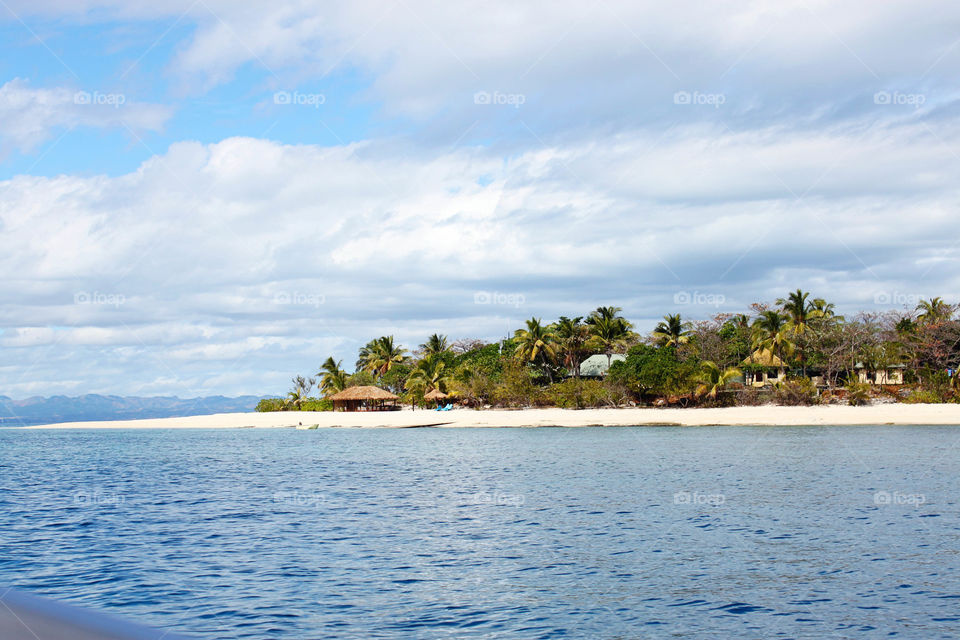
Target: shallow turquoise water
{"x":493,"y":533}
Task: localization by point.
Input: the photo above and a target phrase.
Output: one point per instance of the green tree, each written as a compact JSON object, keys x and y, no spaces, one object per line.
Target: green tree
{"x":429,"y":374}
{"x":934,"y":311}
{"x":771,"y":333}
{"x":609,"y":331}
{"x":435,"y":344}
{"x":712,"y":379}
{"x":380,"y":355}
{"x":672,"y":331}
{"x":537,"y":344}
{"x":333,"y":378}
{"x":572,"y":335}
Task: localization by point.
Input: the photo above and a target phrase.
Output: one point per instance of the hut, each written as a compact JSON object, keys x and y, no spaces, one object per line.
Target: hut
{"x":877,"y":375}
{"x":364,"y":399}
{"x":763,"y":367}
{"x":435,"y":396}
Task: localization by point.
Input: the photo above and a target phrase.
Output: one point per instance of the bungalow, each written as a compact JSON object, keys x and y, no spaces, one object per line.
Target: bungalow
{"x":891,"y":374}
{"x":763,"y":367}
{"x":597,"y":366}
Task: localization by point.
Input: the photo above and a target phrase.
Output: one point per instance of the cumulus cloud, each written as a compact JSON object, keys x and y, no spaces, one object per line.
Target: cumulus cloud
{"x":30,"y":116}
{"x":266,"y":257}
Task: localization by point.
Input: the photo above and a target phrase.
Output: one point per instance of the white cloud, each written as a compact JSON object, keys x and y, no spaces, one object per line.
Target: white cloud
{"x":30,"y":116}
{"x":266,"y":257}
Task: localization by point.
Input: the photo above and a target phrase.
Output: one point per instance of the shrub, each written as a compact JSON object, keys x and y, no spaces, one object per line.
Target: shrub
{"x":314,"y":404}
{"x":580,"y":394}
{"x":270,"y":404}
{"x":858,"y":394}
{"x":796,"y":392}
{"x":924,"y":396}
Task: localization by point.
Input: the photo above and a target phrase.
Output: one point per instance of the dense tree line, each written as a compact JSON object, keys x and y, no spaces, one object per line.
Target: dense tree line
{"x":679,"y":362}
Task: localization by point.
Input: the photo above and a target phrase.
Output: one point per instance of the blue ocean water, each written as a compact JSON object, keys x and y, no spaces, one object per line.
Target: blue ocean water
{"x":493,"y":533}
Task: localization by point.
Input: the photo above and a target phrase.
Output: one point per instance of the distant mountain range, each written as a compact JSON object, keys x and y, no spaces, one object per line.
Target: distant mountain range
{"x":39,"y":410}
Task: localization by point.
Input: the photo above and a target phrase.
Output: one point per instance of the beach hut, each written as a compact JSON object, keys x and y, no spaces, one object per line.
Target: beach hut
{"x":364,"y":399}
{"x":763,"y":367}
{"x":435,"y":396}
{"x":889,"y":375}
{"x":596,"y":366}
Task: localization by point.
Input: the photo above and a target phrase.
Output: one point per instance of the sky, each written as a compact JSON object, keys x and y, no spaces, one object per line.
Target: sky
{"x":205,"y":197}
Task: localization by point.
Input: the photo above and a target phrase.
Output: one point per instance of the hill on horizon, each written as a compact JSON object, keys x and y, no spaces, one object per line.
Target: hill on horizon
{"x":91,"y":407}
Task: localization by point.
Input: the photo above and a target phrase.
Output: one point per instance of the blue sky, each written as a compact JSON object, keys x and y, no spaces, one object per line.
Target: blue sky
{"x":211,"y":196}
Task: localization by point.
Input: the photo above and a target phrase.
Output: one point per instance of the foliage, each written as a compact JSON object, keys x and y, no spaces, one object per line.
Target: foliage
{"x":795,"y":392}
{"x":649,"y":371}
{"x":858,"y":394}
{"x":584,"y":394}
{"x":333,"y":378}
{"x":270,"y":404}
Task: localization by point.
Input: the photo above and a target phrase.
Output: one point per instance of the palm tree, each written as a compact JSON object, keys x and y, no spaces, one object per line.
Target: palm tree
{"x":333,"y":379}
{"x":672,"y":331}
{"x":800,"y":312}
{"x":770,"y":332}
{"x":435,"y":344}
{"x":609,"y":331}
{"x":380,"y":355}
{"x":573,"y":335}
{"x":537,"y":343}
{"x":934,"y":311}
{"x":300,"y":392}
{"x":429,"y":374}
{"x":712,"y":379}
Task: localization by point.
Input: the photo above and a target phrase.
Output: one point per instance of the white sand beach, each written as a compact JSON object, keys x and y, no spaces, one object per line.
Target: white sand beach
{"x":888,"y":414}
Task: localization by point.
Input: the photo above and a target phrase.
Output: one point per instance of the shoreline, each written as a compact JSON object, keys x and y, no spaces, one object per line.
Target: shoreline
{"x":768,"y":415}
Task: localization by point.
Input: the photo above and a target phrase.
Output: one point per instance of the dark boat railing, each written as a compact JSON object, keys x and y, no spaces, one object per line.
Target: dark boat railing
{"x":28,"y":617}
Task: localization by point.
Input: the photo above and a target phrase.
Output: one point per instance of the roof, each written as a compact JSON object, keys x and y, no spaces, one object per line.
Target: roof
{"x":764,"y":358}
{"x":363,"y":393}
{"x":596,"y":366}
{"x":436,"y":394}
{"x":860,"y":365}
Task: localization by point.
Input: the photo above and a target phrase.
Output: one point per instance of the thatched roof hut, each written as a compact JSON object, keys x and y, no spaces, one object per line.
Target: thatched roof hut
{"x":764,"y":358}
{"x":364,"y":399}
{"x":436,"y":394}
